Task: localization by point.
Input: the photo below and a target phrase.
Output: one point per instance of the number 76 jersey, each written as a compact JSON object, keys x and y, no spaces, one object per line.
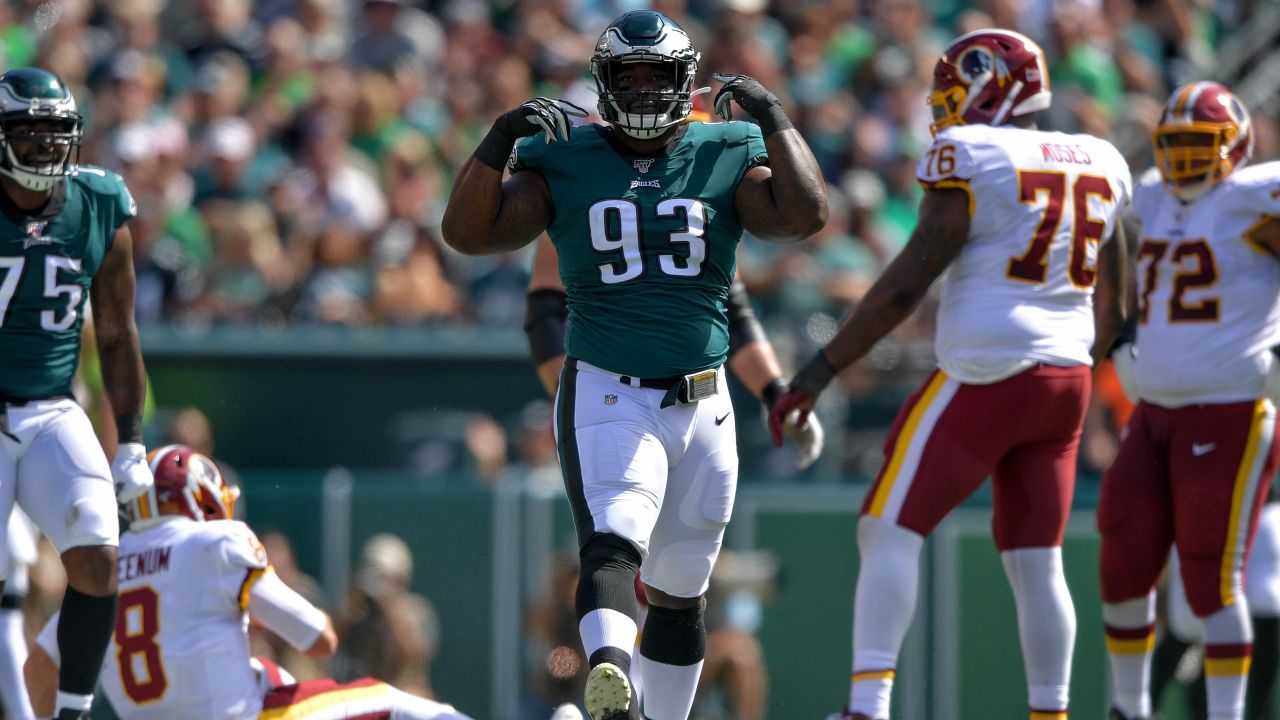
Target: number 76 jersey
{"x":1040,"y":205}
{"x":1208,"y":296}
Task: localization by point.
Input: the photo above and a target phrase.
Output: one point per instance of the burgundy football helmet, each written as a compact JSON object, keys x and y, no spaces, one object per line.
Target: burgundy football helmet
{"x":987,"y":77}
{"x":188,"y":484}
{"x":1203,"y":135}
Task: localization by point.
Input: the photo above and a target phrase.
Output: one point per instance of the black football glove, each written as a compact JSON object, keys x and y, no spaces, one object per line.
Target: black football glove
{"x":549,"y":116}
{"x":752,"y":97}
{"x":747,"y":91}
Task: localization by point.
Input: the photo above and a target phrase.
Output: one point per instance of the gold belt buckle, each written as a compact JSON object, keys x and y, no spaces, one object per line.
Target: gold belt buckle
{"x":700,"y":385}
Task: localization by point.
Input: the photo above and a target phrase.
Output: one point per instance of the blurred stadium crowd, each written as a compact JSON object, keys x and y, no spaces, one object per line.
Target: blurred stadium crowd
{"x":291,"y":158}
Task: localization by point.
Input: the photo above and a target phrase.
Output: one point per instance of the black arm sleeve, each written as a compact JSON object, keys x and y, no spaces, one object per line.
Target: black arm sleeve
{"x":545,"y":315}
{"x":744,"y":326}
{"x":1128,"y":334}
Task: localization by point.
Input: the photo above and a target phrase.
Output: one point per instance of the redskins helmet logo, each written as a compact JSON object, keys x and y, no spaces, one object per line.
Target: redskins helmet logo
{"x":978,"y":65}
{"x":1236,"y":110}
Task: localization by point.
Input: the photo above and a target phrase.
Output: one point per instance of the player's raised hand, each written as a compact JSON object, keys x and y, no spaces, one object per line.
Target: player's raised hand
{"x":750,"y":95}
{"x":130,"y":472}
{"x":551,"y":117}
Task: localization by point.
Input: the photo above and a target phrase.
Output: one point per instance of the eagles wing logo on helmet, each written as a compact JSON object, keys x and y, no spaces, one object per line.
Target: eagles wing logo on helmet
{"x":40,"y":128}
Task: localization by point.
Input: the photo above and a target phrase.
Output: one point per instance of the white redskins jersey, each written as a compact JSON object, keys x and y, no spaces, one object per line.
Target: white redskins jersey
{"x":1208,"y":298}
{"x":181,"y":650}
{"x":1040,"y":205}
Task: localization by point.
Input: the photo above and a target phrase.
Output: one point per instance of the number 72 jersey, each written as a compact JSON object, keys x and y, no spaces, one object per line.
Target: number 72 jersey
{"x":1208,"y":296}
{"x":1040,"y":205}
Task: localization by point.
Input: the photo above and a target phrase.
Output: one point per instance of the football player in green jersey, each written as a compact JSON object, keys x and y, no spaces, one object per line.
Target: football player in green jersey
{"x":64,"y":241}
{"x":645,"y":212}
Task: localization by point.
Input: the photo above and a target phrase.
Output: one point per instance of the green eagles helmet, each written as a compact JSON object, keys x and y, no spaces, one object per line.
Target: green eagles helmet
{"x":39,"y":128}
{"x":650,"y":37}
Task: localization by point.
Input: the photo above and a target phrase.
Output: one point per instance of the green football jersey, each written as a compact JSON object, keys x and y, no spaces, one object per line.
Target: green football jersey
{"x":646,"y":243}
{"x":47,"y":264}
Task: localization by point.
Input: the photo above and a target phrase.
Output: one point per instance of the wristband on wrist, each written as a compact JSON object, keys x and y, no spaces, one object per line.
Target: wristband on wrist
{"x":774,"y":120}
{"x":495,"y":149}
{"x":129,"y":428}
{"x":772,"y":391}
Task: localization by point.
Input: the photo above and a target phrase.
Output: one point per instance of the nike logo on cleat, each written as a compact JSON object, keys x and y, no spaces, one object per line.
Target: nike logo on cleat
{"x":721,"y":419}
{"x":1198,"y":449}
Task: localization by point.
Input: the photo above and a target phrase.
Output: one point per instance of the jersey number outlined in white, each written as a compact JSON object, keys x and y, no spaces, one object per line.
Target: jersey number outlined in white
{"x":12,"y":267}
{"x":625,"y":237}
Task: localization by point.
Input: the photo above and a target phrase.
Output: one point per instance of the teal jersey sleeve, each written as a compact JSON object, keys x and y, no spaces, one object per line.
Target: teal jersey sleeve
{"x":646,"y":243}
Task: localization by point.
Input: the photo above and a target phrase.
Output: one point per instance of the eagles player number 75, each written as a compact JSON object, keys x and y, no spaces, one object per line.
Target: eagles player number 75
{"x":11,"y":267}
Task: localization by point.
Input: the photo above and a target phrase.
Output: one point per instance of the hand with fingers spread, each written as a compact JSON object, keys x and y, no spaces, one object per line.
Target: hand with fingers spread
{"x":551,"y":117}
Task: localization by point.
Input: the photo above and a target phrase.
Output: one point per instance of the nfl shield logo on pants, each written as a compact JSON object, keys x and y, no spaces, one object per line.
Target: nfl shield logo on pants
{"x":611,"y":399}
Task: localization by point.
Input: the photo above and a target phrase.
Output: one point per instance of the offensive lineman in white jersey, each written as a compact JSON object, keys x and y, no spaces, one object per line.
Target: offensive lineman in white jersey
{"x":1196,"y":460}
{"x":190,"y":580}
{"x":1020,"y":219}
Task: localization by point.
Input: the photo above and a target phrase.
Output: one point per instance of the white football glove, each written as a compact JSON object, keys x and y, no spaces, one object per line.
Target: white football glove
{"x":1122,"y":358}
{"x":130,"y":472}
{"x":807,"y":438}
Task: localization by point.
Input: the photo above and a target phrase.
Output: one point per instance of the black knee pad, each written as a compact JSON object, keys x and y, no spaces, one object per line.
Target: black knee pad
{"x":608,"y":581}
{"x":675,"y":636}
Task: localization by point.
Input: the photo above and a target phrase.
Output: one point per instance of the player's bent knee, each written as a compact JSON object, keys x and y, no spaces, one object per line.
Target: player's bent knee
{"x":1125,"y":573}
{"x":1202,"y":582}
{"x":91,"y":569}
{"x":609,"y":567}
{"x":878,"y":534}
{"x":92,"y":521}
{"x":609,"y":551}
{"x":682,"y":569}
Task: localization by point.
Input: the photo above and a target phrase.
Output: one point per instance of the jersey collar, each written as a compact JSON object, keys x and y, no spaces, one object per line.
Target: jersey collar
{"x":625,"y":150}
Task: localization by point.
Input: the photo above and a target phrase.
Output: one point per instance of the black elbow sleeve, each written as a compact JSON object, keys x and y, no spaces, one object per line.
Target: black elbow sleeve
{"x":545,"y":316}
{"x":744,"y":326}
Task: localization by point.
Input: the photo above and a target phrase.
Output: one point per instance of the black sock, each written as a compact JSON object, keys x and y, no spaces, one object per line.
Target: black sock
{"x":1260,"y":696}
{"x":84,"y":630}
